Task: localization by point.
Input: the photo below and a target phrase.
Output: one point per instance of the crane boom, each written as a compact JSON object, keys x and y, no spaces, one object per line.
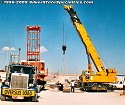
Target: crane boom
{"x":90,"y":49}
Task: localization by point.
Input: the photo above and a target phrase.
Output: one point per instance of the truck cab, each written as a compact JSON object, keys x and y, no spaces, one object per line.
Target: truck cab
{"x":118,"y":85}
{"x":20,"y":83}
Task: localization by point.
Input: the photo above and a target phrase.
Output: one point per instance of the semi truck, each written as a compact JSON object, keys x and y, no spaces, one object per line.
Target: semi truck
{"x":20,"y":83}
{"x":21,"y":80}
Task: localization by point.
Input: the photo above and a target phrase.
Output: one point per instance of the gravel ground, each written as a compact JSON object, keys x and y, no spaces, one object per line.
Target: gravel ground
{"x":50,"y":97}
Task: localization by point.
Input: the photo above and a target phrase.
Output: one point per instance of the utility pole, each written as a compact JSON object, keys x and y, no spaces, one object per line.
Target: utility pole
{"x":19,"y":55}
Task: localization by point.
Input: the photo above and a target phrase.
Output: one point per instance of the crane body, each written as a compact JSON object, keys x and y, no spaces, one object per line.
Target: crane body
{"x":103,"y":76}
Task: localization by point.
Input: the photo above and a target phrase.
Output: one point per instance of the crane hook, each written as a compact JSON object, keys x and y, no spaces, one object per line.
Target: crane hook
{"x":64,"y":49}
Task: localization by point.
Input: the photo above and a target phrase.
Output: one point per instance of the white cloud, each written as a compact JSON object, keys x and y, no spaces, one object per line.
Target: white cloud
{"x":43,"y":49}
{"x":12,"y":48}
{"x":4,"y":49}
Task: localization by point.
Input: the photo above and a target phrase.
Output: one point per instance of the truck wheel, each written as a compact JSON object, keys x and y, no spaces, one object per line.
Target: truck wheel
{"x":3,"y":98}
{"x":34,"y":98}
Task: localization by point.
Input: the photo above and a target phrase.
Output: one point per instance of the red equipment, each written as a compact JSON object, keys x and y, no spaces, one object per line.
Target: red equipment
{"x":33,"y":52}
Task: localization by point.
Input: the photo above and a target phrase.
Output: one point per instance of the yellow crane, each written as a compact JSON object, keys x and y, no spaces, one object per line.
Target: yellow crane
{"x":91,"y":81}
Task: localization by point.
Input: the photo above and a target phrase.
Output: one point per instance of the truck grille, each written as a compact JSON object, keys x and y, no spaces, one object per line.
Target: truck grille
{"x":19,"y":81}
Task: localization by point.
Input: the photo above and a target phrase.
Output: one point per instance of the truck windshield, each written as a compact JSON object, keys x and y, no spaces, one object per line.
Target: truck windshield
{"x":22,"y":69}
{"x":28,"y":70}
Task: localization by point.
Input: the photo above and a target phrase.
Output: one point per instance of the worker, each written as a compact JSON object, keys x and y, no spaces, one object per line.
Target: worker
{"x":72,"y":86}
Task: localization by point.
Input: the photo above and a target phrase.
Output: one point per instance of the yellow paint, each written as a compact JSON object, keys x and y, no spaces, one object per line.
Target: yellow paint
{"x":102,"y":75}
{"x":15,"y":92}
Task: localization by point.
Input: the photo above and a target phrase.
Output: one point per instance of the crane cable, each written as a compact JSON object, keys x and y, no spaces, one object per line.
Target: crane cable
{"x":64,"y":42}
{"x":102,"y":58}
{"x":64,"y":50}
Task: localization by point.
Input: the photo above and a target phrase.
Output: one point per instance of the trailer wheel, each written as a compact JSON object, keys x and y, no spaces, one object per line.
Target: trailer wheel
{"x":3,"y":98}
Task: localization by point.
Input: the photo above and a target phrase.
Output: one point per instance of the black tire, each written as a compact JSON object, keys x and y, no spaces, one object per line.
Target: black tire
{"x":3,"y":98}
{"x":34,"y":98}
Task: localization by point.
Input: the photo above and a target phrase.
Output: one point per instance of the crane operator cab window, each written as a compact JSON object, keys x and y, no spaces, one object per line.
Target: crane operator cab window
{"x":87,"y":74}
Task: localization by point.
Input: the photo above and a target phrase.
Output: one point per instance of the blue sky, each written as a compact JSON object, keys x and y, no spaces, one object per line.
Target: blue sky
{"x":104,"y":21}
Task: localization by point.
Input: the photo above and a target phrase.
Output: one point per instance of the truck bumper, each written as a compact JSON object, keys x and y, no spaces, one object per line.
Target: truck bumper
{"x":17,"y":93}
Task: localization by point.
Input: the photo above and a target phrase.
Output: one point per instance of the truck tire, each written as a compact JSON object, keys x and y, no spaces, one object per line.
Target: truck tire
{"x":34,"y":98}
{"x":3,"y":98}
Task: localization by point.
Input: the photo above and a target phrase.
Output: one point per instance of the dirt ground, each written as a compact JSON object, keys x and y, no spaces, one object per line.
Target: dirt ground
{"x":54,"y":97}
{"x":51,"y":97}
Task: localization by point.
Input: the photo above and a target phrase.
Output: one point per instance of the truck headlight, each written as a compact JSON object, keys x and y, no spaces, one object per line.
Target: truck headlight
{"x":6,"y":83}
{"x":31,"y":85}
